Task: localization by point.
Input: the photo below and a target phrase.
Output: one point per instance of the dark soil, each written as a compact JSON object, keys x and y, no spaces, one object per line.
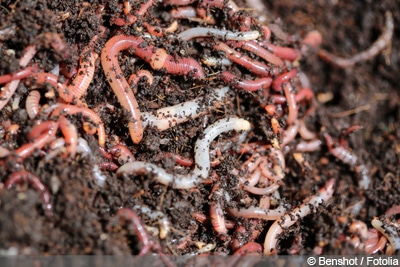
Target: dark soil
{"x":85,"y":217}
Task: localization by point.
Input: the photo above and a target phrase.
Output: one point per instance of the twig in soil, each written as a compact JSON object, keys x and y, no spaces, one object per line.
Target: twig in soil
{"x":383,"y":41}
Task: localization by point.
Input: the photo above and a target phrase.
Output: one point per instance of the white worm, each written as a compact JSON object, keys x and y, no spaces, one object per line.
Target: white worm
{"x":291,"y":218}
{"x":202,"y":158}
{"x":168,"y":117}
{"x":210,"y":32}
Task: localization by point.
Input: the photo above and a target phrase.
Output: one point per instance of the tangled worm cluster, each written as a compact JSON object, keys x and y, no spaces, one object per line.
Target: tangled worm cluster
{"x":237,"y":56}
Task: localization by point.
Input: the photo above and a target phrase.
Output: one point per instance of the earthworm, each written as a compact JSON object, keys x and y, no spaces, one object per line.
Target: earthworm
{"x":383,"y":41}
{"x":70,"y":133}
{"x":135,"y":77}
{"x":213,"y":61}
{"x":246,"y":234}
{"x":109,"y":166}
{"x":343,"y":154}
{"x":346,"y":133}
{"x":389,"y":230}
{"x":313,"y":39}
{"x":178,"y":2}
{"x":262,"y":191}
{"x":257,"y":213}
{"x":247,"y":85}
{"x":33,"y":180}
{"x":304,"y":132}
{"x":256,"y":67}
{"x":393,"y":210}
{"x":308,"y":146}
{"x":184,"y":12}
{"x":9,"y":89}
{"x":158,"y":60}
{"x":249,"y":248}
{"x":285,"y":53}
{"x":131,"y":216}
{"x":65,"y":109}
{"x":42,"y":79}
{"x":258,"y":50}
{"x":204,"y":219}
{"x":165,"y":224}
{"x":123,"y":154}
{"x":290,"y":133}
{"x":129,"y":18}
{"x":168,"y":117}
{"x":224,"y":34}
{"x":85,"y":76}
{"x":32,"y":104}
{"x":291,"y":218}
{"x":19,"y":75}
{"x":374,"y":243}
{"x":217,"y":219}
{"x":293,"y":109}
{"x":202,"y":158}
{"x":282,"y":79}
{"x":40,"y":134}
{"x":186,"y":162}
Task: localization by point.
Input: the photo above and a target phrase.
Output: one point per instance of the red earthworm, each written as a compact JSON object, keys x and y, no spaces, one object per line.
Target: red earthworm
{"x":253,"y":66}
{"x":110,"y":166}
{"x":186,"y":162}
{"x":131,"y":216}
{"x":32,"y":104}
{"x":291,"y":218}
{"x":178,"y":2}
{"x":217,"y":219}
{"x":85,"y":76}
{"x":258,"y":50}
{"x":130,"y":19}
{"x":204,"y":219}
{"x":313,"y":39}
{"x":42,"y":79}
{"x":393,"y":210}
{"x":266,"y":32}
{"x":293,"y":109}
{"x":104,"y":153}
{"x":70,"y":135}
{"x":249,"y":248}
{"x":283,"y":78}
{"x":33,"y":180}
{"x":135,"y":77}
{"x":243,"y":234}
{"x":40,"y":134}
{"x":253,"y":179}
{"x":341,"y":153}
{"x":346,"y":133}
{"x":248,"y":85}
{"x":9,"y":88}
{"x":285,"y":53}
{"x":374,"y":245}
{"x":65,"y":109}
{"x":383,"y":41}
{"x":158,"y":60}
{"x":123,"y":154}
{"x":262,"y":191}
{"x":280,"y":34}
{"x":19,"y":75}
